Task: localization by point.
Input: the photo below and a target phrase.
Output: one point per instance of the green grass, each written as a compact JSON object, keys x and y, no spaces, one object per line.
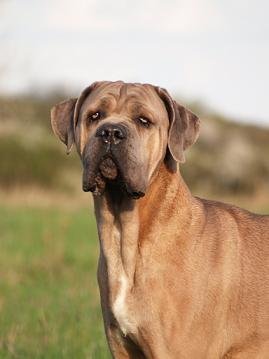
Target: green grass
{"x":49,"y":301}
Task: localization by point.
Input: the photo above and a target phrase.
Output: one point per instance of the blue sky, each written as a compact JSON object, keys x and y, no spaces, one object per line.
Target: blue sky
{"x":213,"y":51}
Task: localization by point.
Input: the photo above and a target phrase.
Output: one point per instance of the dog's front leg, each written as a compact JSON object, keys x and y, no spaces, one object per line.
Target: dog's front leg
{"x":122,"y":347}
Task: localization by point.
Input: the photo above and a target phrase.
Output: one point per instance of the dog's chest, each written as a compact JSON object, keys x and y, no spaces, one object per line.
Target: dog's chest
{"x":119,"y":276}
{"x":121,"y":307}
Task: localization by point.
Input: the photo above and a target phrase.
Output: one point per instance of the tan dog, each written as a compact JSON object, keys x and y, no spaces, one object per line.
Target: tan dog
{"x":179,"y":277}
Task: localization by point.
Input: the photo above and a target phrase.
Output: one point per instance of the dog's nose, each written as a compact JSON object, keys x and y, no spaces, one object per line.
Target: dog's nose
{"x":111,"y":133}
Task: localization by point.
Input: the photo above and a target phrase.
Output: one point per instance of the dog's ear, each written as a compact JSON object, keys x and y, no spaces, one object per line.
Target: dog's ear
{"x":183,"y":129}
{"x":62,"y":116}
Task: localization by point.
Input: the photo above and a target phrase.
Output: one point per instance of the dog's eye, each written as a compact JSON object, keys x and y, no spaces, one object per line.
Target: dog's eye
{"x":144,"y":121}
{"x":94,"y":116}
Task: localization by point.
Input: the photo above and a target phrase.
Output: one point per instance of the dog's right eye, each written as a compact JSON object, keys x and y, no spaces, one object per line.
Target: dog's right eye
{"x":94,"y":116}
{"x":144,"y":121}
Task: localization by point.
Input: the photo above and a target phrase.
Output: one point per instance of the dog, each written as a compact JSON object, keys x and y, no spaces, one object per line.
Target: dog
{"x":179,"y":276}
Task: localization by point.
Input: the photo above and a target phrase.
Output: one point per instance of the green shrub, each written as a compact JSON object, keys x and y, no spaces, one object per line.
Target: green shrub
{"x":41,"y":164}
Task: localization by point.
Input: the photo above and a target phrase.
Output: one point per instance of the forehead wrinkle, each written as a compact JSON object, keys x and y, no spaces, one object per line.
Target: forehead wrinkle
{"x":123,"y":91}
{"x":104,"y":102}
{"x":122,"y":96}
{"x":107,"y":101}
{"x":133,"y":98}
{"x":138,"y":108}
{"x":145,"y":94}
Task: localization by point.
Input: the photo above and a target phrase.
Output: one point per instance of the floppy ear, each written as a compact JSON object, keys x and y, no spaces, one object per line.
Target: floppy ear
{"x":184,"y":126}
{"x":62,"y":116}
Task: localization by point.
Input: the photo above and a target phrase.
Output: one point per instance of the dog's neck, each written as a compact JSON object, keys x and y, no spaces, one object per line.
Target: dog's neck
{"x":124,"y":224}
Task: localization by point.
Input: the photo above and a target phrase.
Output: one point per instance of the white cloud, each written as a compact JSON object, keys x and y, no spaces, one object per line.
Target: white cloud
{"x":156,"y":15}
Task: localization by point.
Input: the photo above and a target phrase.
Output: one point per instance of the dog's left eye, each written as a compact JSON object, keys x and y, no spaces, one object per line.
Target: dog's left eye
{"x":144,"y":121}
{"x":94,"y":116}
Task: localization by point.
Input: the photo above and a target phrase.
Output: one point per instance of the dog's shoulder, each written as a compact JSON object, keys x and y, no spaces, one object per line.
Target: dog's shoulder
{"x":236,"y":211}
{"x":250,"y":225}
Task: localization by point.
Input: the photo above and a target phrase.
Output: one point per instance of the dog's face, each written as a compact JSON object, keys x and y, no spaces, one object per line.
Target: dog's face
{"x":123,"y":133}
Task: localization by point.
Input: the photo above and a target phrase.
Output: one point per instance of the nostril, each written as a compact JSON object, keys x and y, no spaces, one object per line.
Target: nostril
{"x":118,"y":134}
{"x":105,"y":133}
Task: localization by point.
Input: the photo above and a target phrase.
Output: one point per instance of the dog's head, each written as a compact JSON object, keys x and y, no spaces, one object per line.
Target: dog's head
{"x":123,"y":132}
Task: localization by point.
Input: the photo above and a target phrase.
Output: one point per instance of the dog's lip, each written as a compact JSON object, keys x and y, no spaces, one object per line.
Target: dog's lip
{"x":135,"y":194}
{"x":87,"y":188}
{"x":119,"y":181}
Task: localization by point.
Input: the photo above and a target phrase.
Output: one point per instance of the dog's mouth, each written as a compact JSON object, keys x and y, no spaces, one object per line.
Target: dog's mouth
{"x":109,"y":175}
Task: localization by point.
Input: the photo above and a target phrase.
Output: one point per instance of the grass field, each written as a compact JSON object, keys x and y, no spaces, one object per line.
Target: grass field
{"x":49,"y":301}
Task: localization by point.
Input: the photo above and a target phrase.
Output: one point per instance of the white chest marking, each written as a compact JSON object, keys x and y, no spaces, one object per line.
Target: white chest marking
{"x":120,"y":308}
